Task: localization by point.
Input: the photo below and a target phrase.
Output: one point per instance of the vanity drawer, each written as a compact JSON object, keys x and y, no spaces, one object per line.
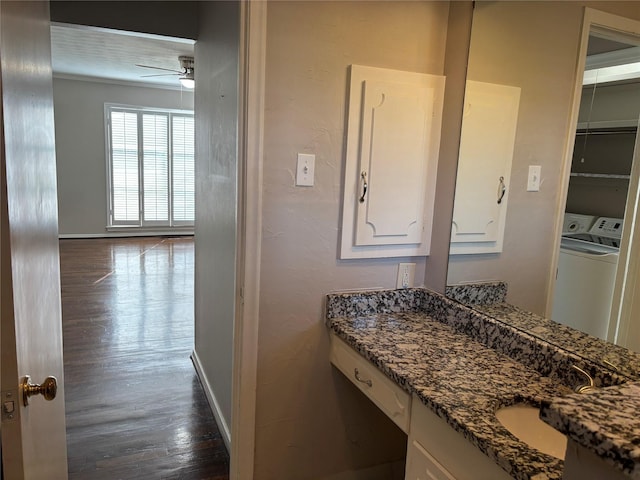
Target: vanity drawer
{"x":389,"y":397}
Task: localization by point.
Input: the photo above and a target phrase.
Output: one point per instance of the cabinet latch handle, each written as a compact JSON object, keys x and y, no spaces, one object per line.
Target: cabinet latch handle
{"x":363,"y":175}
{"x":369,"y":383}
{"x":501,"y":190}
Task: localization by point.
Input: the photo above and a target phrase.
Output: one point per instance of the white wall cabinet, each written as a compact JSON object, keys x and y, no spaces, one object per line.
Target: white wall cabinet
{"x":484,"y":167}
{"x":393,"y":139}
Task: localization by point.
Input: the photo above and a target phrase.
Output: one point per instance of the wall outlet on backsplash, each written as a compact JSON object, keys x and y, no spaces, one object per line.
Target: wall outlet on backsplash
{"x":406,"y":275}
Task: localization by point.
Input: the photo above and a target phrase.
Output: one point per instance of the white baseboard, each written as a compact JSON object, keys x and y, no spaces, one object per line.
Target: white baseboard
{"x":386,"y":471}
{"x":213,"y":403}
{"x":156,"y":233}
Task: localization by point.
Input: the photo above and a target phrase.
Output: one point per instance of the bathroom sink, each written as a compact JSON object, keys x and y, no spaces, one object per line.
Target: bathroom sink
{"x":523,"y":421}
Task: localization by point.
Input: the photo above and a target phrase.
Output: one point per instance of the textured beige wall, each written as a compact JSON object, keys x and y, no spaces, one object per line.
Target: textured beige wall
{"x":533,"y":45}
{"x":311,"y":422}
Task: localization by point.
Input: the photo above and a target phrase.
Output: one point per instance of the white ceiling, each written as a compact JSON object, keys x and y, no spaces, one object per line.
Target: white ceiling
{"x":101,"y":53}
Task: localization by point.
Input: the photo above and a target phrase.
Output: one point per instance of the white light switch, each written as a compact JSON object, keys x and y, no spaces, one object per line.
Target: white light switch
{"x":533,"y":183}
{"x":305,"y":170}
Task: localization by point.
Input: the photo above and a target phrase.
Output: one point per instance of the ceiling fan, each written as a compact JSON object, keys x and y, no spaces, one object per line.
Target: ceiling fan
{"x":186,"y":75}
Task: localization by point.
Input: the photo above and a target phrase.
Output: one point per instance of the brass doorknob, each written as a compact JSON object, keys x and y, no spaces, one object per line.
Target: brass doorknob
{"x":48,"y":389}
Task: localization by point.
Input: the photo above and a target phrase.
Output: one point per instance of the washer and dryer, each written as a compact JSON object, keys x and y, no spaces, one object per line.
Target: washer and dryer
{"x":586,"y":272}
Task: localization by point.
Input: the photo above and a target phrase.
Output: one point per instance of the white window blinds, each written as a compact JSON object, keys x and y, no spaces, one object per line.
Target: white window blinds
{"x":155,"y":154}
{"x":151,"y":166}
{"x":124,"y":163}
{"x":183,"y":169}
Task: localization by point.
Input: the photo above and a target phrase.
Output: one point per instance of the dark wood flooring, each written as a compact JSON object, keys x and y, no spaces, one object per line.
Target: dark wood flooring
{"x":134,"y":406}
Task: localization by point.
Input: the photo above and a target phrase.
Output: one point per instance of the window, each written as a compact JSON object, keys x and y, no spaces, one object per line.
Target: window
{"x":150,"y":166}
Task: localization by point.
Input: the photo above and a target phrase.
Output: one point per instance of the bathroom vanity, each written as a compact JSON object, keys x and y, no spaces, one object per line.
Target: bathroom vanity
{"x":440,"y":370}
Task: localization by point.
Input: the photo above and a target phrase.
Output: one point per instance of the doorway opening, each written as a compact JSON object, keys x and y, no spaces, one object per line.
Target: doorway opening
{"x":594,"y":260}
{"x":135,"y":406}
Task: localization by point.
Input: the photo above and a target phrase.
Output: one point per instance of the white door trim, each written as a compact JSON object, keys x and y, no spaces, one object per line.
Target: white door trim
{"x":253,"y":23}
{"x":625,"y":307}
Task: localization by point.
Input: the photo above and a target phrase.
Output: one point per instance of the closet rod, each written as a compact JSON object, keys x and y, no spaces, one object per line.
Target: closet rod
{"x":607,"y":132}
{"x":601,"y":175}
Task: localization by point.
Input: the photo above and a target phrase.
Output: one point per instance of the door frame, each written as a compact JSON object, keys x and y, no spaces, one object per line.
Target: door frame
{"x":253,"y":29}
{"x":623,"y":290}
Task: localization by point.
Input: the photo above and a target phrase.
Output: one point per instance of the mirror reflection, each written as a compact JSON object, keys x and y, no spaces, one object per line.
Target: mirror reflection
{"x":522,"y":214}
{"x":599,"y":189}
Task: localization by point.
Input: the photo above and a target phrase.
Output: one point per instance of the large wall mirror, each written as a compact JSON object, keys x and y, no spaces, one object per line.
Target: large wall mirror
{"x":545,"y":153}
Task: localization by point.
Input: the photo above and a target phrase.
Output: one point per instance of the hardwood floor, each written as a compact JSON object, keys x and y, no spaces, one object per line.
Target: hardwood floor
{"x":134,"y":406}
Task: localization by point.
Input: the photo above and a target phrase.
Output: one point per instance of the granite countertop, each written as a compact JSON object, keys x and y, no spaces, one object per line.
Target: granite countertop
{"x":621,"y":360}
{"x":461,"y":380}
{"x":604,"y":421}
{"x":465,"y":362}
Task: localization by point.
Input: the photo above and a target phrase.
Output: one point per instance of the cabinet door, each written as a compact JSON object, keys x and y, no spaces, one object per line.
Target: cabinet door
{"x":484,"y":167}
{"x":422,"y":466}
{"x":393,"y":157}
{"x":437,"y":451}
{"x":392,"y":151}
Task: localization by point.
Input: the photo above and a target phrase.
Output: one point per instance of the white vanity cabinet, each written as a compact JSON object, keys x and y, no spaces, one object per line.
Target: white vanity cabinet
{"x":389,"y":397}
{"x":435,"y":451}
{"x":393,"y":140}
{"x":421,"y":465}
{"x":484,"y":167}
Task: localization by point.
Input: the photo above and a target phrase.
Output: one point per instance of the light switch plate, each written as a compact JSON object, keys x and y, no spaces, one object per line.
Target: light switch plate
{"x":533,"y":182}
{"x":305,"y":170}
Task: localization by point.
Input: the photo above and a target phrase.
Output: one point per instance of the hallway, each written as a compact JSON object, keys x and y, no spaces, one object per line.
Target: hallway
{"x":134,"y":406}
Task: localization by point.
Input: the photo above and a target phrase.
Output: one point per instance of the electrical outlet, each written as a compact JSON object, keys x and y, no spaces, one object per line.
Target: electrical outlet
{"x":406,"y":275}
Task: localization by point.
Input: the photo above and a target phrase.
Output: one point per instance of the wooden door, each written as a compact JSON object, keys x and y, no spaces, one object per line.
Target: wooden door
{"x":33,"y":437}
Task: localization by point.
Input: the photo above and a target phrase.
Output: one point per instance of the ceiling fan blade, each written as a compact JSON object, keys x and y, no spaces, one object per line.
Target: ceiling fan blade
{"x":161,"y":75}
{"x":159,"y":68}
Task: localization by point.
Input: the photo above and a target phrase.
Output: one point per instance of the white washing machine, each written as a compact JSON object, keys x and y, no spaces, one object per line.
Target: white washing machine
{"x":586,"y":273}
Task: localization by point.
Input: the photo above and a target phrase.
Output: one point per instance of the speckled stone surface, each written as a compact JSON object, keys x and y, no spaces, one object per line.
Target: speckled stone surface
{"x":464,"y":364}
{"x":484,"y":293}
{"x":620,"y":360}
{"x":546,"y":358}
{"x":375,"y":301}
{"x":461,"y":380}
{"x":604,"y":421}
